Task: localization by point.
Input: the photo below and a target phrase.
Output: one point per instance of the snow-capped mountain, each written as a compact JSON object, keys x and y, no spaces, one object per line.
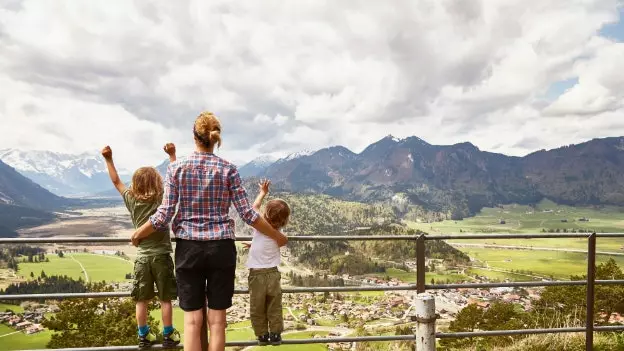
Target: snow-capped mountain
{"x":296,"y":155}
{"x":60,"y":173}
{"x":256,"y":166}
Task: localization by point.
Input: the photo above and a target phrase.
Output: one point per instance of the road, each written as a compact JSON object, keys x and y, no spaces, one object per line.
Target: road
{"x":81,"y":266}
{"x":2,"y":336}
{"x":533,"y":248}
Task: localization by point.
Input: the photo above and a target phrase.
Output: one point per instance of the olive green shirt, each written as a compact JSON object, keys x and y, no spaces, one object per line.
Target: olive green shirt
{"x":157,"y":243}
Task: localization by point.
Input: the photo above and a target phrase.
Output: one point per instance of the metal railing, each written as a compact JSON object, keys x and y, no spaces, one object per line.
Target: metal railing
{"x":419,"y":287}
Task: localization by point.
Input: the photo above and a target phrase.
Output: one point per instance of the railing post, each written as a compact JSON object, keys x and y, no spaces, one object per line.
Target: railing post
{"x":204,"y":328}
{"x":425,"y":323}
{"x":420,"y":264}
{"x":591,"y":279}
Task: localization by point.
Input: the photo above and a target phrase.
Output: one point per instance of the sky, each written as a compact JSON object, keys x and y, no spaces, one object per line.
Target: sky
{"x":510,"y":76}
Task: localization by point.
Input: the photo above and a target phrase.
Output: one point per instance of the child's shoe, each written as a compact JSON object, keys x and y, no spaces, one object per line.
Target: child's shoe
{"x":147,"y":340}
{"x":275,"y":339}
{"x":263,"y":340}
{"x":171,"y":340}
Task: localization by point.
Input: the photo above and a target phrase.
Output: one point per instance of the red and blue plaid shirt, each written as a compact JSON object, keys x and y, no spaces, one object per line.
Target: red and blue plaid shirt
{"x":204,"y":186}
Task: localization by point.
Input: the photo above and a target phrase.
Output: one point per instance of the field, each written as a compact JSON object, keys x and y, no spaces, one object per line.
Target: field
{"x":97,"y":267}
{"x":20,"y":341}
{"x":558,"y":264}
{"x":410,"y":277}
{"x":545,"y":216}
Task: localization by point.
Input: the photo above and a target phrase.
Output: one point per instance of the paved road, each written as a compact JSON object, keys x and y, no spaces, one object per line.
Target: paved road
{"x":533,"y":248}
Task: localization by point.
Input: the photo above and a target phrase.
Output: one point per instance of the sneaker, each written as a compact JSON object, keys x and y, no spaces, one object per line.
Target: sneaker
{"x":147,"y":340}
{"x":275,"y":339}
{"x":264,"y":339}
{"x":171,"y":340}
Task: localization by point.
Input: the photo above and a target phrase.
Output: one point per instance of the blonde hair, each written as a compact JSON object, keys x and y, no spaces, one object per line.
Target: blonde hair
{"x":147,"y":185}
{"x":207,"y":129}
{"x":277,"y":213}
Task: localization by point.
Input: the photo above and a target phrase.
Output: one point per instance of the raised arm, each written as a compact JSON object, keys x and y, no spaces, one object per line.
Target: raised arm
{"x":170,"y":150}
{"x":247,"y":212}
{"x":264,"y":190}
{"x":107,"y":153}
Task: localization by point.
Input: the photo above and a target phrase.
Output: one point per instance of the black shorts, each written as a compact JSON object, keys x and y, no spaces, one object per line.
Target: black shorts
{"x":205,"y":270}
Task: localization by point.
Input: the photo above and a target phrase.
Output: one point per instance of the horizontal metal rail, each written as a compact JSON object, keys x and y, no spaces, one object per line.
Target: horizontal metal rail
{"x":335,"y":340}
{"x":525,"y":332}
{"x":467,"y":236}
{"x":86,"y":240}
{"x":300,"y":290}
{"x":114,"y":294}
{"x":375,"y":338}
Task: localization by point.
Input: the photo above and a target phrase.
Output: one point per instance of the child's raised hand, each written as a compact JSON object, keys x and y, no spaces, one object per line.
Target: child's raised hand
{"x":170,"y":148}
{"x":107,"y":152}
{"x":264,"y":186}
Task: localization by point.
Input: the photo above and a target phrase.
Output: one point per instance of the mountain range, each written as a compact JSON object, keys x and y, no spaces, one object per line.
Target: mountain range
{"x":62,"y":174}
{"x":459,"y":179}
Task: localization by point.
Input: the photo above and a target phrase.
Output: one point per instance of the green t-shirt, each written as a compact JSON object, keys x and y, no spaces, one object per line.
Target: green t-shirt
{"x":158,"y":242}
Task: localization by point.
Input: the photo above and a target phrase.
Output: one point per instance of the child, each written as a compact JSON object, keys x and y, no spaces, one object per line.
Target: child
{"x":153,"y":263}
{"x":264,"y":278}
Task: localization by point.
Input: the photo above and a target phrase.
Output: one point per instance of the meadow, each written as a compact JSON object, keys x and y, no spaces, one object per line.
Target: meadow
{"x":97,"y":267}
{"x":546,"y":216}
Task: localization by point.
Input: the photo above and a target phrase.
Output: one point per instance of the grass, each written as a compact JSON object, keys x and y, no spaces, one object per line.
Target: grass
{"x":410,"y":277}
{"x":14,"y":308}
{"x":98,"y":267}
{"x":498,"y":275}
{"x":21,"y":341}
{"x":546,"y":215}
{"x":544,"y":263}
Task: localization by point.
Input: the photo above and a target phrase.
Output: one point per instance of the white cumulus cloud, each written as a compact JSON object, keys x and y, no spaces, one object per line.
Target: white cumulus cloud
{"x":285,"y":76}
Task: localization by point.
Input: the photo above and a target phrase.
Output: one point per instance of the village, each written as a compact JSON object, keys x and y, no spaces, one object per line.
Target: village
{"x":27,"y":322}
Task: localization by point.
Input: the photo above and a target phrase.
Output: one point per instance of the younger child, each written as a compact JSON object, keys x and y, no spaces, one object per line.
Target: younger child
{"x":264,"y":278}
{"x":153,"y":263}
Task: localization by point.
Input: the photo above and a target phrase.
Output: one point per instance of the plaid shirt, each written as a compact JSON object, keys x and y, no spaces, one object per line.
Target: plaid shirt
{"x":205,"y":186}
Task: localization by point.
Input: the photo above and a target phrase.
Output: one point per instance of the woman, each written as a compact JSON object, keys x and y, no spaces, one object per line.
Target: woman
{"x":204,"y":186}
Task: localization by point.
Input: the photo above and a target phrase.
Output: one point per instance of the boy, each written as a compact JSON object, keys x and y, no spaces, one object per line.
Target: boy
{"x":153,"y":263}
{"x":264,"y":279}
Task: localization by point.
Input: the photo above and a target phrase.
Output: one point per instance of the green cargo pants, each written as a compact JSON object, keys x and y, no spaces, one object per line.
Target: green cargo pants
{"x":265,"y":301}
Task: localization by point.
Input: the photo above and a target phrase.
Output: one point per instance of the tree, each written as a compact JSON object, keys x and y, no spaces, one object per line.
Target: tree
{"x":95,"y":322}
{"x":565,"y":305}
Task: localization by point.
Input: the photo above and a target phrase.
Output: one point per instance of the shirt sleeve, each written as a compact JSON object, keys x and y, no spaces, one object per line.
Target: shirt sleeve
{"x":127,"y":199}
{"x":239,"y":198}
{"x":166,"y":210}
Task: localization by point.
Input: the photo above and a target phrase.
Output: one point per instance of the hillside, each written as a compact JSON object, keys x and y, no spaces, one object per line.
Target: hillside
{"x":17,"y":190}
{"x":457,"y":179}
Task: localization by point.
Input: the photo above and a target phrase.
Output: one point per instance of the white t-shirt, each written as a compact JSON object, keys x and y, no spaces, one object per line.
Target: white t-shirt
{"x":264,"y":252}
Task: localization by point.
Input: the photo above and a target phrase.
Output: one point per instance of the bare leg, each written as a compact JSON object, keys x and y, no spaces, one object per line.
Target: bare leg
{"x":141,"y":313}
{"x":216,"y":323}
{"x":192,"y":330}
{"x":167,"y":312}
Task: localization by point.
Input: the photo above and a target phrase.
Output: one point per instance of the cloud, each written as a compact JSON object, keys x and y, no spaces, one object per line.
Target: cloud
{"x":285,"y":76}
